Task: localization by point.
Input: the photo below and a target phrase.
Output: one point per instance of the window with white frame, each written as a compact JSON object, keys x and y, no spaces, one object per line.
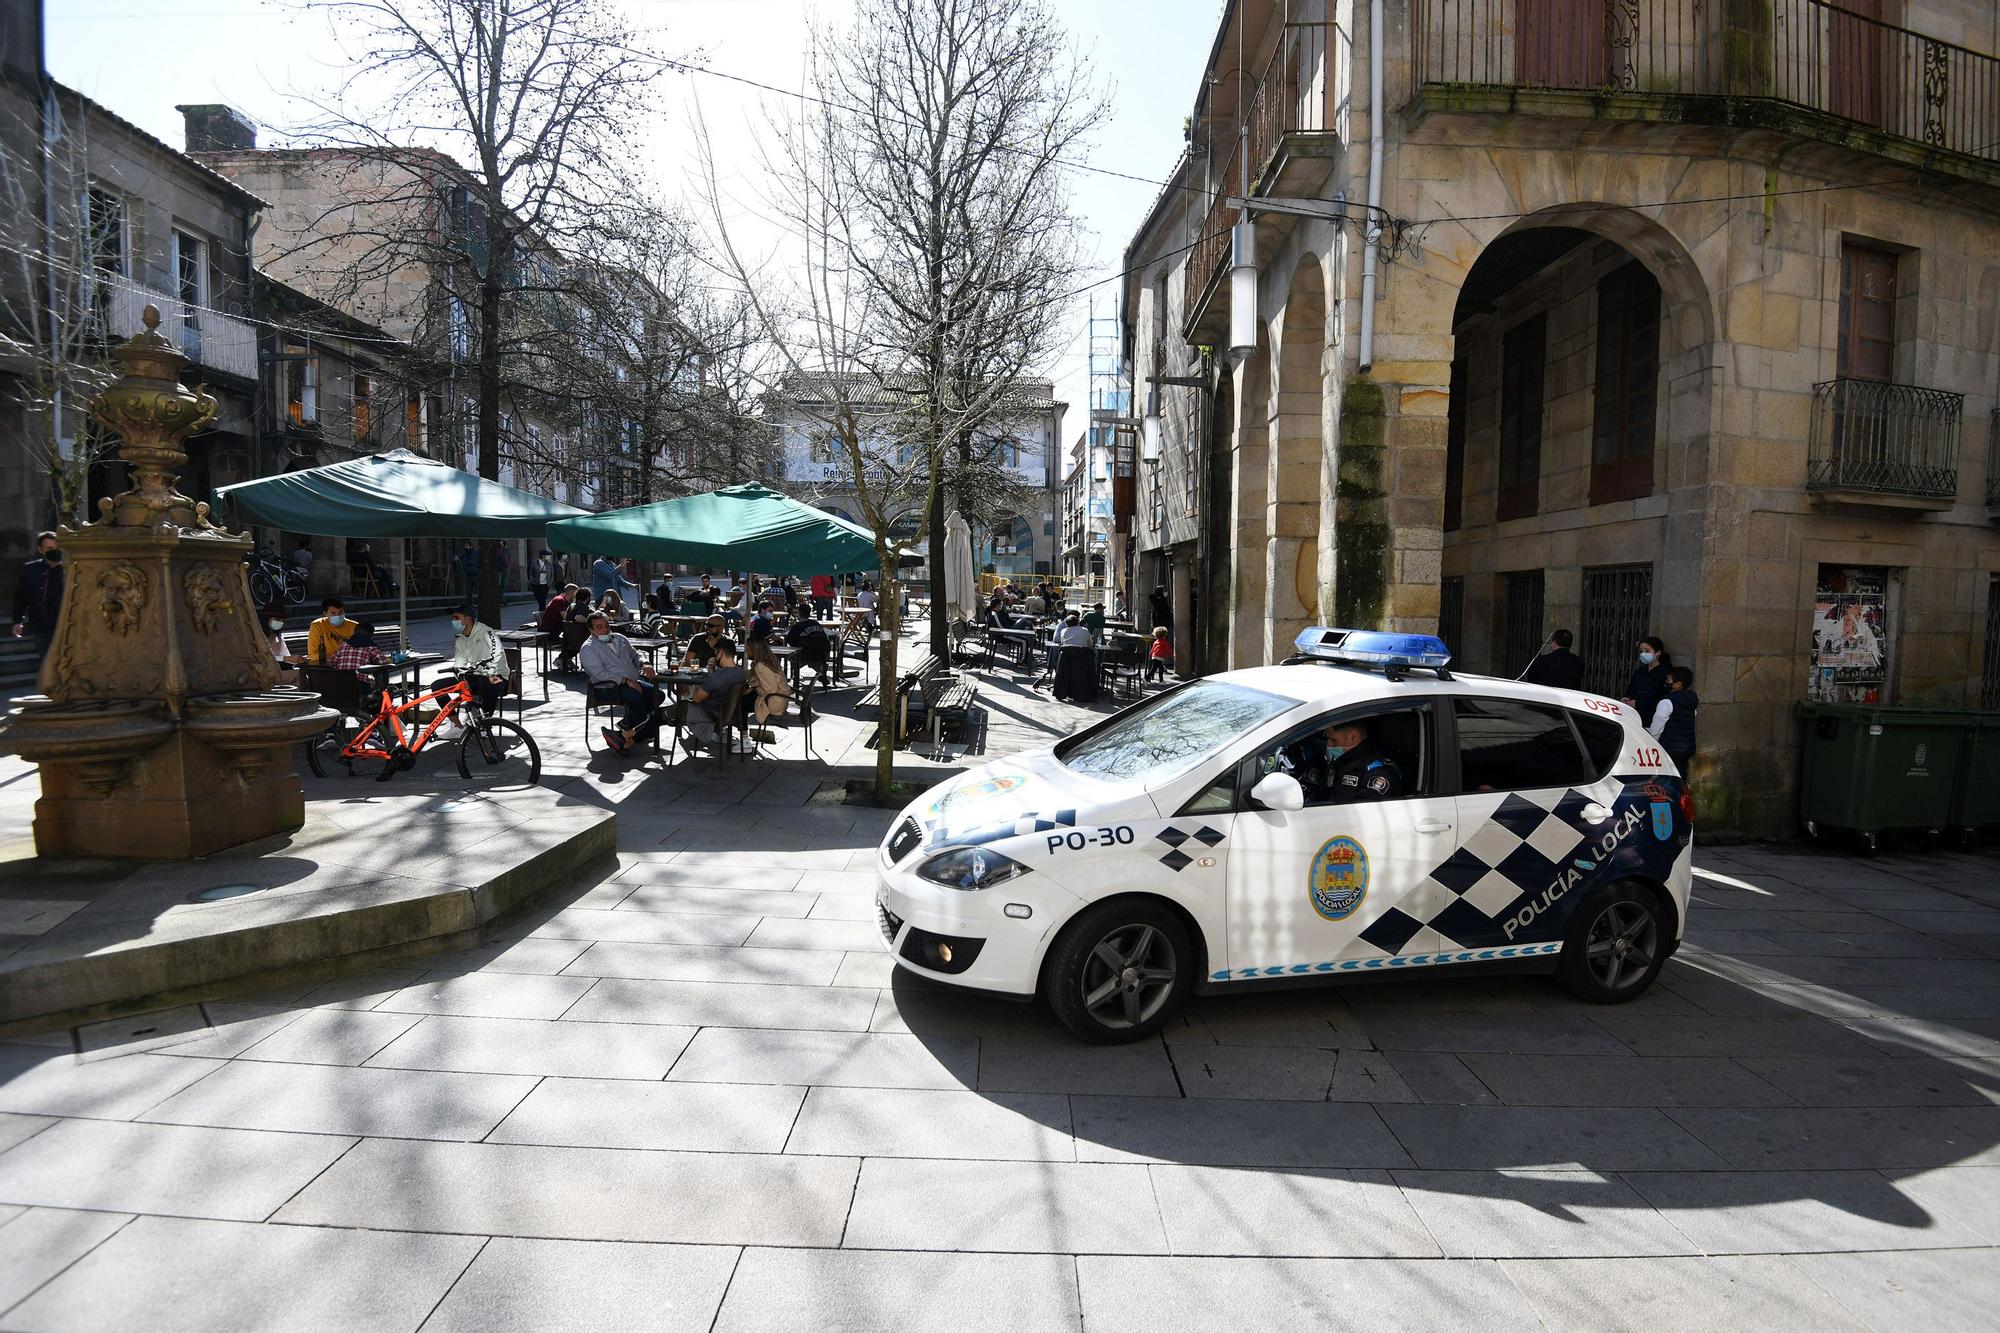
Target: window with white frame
{"x":190,"y":272}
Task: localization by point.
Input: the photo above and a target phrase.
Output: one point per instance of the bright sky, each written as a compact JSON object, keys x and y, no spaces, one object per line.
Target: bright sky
{"x":141,"y":57}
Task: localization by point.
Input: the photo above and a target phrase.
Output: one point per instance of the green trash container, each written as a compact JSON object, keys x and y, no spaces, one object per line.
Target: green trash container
{"x":1870,"y":769}
{"x":1975,"y":799}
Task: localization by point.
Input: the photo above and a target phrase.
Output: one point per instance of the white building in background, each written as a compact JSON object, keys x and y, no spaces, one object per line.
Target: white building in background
{"x":1025,"y":542}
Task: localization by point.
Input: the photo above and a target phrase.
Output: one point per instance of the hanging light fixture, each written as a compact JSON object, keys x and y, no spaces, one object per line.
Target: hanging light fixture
{"x":1243,"y":288}
{"x":1149,"y":427}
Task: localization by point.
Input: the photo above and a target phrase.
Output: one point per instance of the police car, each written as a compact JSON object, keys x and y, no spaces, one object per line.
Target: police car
{"x":1358,"y":809}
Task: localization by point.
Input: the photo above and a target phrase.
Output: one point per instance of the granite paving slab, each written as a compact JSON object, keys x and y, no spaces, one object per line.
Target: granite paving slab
{"x":536,"y":1046}
{"x":1350,"y":1213}
{"x":38,"y":1243}
{"x":586,"y":1286}
{"x":581,"y":1193}
{"x":1030,"y":1207}
{"x":694,"y":1117}
{"x":184,"y":1170}
{"x":247,"y":1277}
{"x":1537,"y":1214}
{"x":828,"y":1059}
{"x":340,"y":1099}
{"x":810,"y":1291}
{"x":724,"y":1004}
{"x":1182,"y":1295}
{"x":1676,"y":1295}
{"x":898,"y":1122}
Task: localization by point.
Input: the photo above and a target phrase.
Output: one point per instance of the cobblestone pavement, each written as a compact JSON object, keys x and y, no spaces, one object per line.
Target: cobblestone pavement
{"x":691,"y":1094}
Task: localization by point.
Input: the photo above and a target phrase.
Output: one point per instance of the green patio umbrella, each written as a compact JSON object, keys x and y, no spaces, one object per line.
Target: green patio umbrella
{"x":740,"y":527}
{"x":393,"y":494}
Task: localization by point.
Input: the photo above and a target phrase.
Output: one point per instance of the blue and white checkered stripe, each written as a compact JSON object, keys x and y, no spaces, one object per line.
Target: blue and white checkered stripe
{"x":1389,"y":964}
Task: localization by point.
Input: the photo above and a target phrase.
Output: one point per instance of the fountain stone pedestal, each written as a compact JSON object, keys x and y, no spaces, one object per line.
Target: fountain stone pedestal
{"x":161,"y":731}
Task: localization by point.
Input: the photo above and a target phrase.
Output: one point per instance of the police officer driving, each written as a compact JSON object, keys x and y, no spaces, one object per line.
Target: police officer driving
{"x":1346,"y":763}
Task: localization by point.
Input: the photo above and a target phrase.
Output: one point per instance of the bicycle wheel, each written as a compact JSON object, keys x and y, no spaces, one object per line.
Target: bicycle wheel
{"x":295,"y":586}
{"x":261,"y":591}
{"x":323,"y":750}
{"x":498,"y":754}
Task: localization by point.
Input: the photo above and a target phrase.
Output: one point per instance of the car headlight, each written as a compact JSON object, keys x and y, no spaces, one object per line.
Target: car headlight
{"x":970,"y":868}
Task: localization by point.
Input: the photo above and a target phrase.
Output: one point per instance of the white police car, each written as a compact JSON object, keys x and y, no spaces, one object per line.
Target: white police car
{"x":1358,"y":809}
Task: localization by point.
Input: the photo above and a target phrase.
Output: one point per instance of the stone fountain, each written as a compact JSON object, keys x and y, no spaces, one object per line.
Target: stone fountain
{"x":161,"y":731}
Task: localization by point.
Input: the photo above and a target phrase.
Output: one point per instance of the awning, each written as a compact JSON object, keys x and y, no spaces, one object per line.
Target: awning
{"x":750,"y":528}
{"x":394,"y":494}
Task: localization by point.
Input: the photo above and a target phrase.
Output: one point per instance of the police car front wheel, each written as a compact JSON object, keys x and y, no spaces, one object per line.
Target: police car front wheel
{"x":1119,"y":970}
{"x":1616,"y":945}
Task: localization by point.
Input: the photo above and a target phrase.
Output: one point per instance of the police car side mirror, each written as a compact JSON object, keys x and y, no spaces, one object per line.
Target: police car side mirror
{"x":1279,"y":791}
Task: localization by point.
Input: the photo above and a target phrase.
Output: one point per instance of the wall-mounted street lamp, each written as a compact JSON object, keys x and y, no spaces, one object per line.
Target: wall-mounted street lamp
{"x":1243,"y":287}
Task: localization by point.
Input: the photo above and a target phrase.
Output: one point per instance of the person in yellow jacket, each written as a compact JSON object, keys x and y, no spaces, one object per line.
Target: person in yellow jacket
{"x":325,"y":636}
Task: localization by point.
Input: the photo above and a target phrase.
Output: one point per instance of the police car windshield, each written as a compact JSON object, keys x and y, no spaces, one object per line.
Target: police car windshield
{"x":1166,"y":737}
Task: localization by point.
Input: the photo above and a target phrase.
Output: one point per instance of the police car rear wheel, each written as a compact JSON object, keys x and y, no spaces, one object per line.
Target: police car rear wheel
{"x":1617,"y":944}
{"x":1119,"y":971}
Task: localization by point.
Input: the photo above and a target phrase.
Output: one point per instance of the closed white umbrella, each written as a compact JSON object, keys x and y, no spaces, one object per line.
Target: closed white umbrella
{"x":960,"y":585}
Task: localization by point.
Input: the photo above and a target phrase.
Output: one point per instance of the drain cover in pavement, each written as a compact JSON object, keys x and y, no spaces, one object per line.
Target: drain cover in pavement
{"x":223,"y":891}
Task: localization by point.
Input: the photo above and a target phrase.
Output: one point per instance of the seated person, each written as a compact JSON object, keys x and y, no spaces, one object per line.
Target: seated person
{"x":700,"y":600}
{"x":613,"y":606}
{"x":1345,"y":763}
{"x":705,"y":720}
{"x":479,"y":659}
{"x":809,"y":636}
{"x":575,"y":628}
{"x":556,"y":610}
{"x":327,"y":633}
{"x":359,"y":651}
{"x":702,"y":647}
{"x":1075,"y":674}
{"x":760,"y":621}
{"x":1093,"y":620}
{"x":771,"y":691}
{"x":616,"y":673}
{"x":289,"y":662}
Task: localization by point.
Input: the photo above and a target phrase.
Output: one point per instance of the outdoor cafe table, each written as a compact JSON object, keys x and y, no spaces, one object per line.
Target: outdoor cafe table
{"x":386,"y":674}
{"x":1023,"y":641}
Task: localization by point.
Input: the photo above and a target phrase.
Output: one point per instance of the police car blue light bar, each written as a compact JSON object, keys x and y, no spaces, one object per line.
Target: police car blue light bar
{"x":1377,"y":647}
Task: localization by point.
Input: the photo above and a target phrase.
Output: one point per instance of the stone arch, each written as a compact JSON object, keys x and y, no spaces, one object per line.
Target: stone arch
{"x":1298,"y":444}
{"x":1640,"y":525}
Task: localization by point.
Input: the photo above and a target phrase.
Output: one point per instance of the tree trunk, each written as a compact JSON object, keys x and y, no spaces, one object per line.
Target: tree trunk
{"x":940,"y":613}
{"x":889,"y":611}
{"x":488,"y":608}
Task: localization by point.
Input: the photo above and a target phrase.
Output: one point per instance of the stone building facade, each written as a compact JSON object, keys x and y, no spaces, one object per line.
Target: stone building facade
{"x":1021,"y":440}
{"x":105,"y":222}
{"x":1673,"y":318}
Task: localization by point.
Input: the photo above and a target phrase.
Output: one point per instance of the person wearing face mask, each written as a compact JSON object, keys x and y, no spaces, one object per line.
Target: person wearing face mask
{"x":1649,"y":679}
{"x":325,"y":635}
{"x":478,"y":659}
{"x":1351,"y":765}
{"x":616,"y":673}
{"x":288,"y":661}
{"x":38,"y":594}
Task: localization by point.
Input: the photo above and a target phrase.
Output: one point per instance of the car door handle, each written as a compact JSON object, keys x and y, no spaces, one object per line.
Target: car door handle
{"x":1433,"y":826}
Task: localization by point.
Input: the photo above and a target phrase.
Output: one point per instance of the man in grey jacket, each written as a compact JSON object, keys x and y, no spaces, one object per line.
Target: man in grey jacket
{"x":615,"y":672}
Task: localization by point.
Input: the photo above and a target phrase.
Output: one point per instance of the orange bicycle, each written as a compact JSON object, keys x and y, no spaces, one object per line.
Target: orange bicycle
{"x":492,"y":752}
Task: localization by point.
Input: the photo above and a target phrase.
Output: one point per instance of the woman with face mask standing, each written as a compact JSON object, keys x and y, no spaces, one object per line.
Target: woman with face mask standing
{"x":1649,"y":679}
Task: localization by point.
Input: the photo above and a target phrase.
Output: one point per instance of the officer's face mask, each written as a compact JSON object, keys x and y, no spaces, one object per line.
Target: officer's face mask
{"x":1335,"y":751}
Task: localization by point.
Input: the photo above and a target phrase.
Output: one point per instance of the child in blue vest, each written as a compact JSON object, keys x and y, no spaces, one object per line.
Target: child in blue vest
{"x":1673,"y":718}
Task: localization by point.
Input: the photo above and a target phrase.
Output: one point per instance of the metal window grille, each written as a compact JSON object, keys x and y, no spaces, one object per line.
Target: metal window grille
{"x":1521,"y":631}
{"x":1989,"y":685}
{"x":1617,"y":613}
{"x":1451,"y":611}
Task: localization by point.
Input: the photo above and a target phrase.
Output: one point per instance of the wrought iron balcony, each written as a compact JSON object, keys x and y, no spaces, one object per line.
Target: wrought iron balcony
{"x":1806,"y":66}
{"x":1993,"y":461}
{"x":1289,"y":107}
{"x":1895,"y":441}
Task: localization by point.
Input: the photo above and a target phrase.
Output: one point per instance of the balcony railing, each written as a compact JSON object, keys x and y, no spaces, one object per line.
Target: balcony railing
{"x":1804,"y":53}
{"x":1893,"y":440}
{"x":1290,"y":95}
{"x":1993,"y":461}
{"x":206,"y":337}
